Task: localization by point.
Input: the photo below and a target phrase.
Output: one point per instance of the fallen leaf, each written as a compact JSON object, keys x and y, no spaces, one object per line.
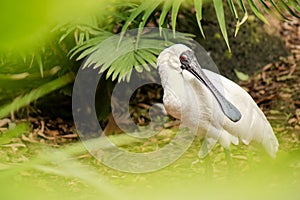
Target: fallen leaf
{"x":241,"y":76}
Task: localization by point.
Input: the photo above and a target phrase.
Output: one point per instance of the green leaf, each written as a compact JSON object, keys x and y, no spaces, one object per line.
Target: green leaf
{"x":40,"y":63}
{"x":240,"y":23}
{"x":141,"y":8}
{"x":166,"y":8}
{"x":150,"y":9}
{"x":81,"y":38}
{"x":265,"y":6}
{"x":242,"y":5}
{"x":286,"y":6}
{"x":221,"y":19}
{"x":119,"y":61}
{"x":70,"y":30}
{"x":149,"y":56}
{"x":232,"y":9}
{"x":175,"y":9}
{"x":17,"y":131}
{"x":142,"y":63}
{"x":297,"y":5}
{"x":146,"y":15}
{"x":278,"y":10}
{"x":257,"y":12}
{"x":245,"y":17}
{"x":36,"y":93}
{"x":113,"y":70}
{"x":198,"y":8}
{"x":144,"y":58}
{"x":87,"y":48}
{"x":235,"y":14}
{"x":240,"y":75}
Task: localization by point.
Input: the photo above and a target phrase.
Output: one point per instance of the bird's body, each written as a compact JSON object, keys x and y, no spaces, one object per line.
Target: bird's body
{"x":195,"y":100}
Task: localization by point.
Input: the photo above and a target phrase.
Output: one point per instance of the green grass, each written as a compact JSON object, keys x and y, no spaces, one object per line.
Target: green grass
{"x":36,"y":171}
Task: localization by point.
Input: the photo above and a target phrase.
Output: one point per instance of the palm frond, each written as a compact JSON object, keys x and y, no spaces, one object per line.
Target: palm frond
{"x":147,"y":7}
{"x":82,"y":29}
{"x":198,"y":7}
{"x":175,"y":9}
{"x":40,"y":63}
{"x":236,"y":16}
{"x":173,"y":6}
{"x":120,"y":54}
{"x":218,"y":4}
{"x":165,"y":10}
{"x":257,"y":12}
{"x":233,"y":9}
{"x":89,"y":44}
{"x":145,"y":17}
{"x":36,"y":93}
{"x":287,"y":7}
{"x":245,"y":17}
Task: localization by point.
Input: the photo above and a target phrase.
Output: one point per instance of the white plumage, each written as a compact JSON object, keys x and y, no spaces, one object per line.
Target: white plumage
{"x":188,"y":96}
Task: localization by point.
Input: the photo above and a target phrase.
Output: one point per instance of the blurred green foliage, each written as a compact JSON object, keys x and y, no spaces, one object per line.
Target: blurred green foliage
{"x":24,"y":24}
{"x":70,"y":172}
{"x":31,"y":55}
{"x":36,"y":39}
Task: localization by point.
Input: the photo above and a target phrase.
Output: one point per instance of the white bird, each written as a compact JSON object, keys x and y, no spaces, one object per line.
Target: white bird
{"x":221,"y":110}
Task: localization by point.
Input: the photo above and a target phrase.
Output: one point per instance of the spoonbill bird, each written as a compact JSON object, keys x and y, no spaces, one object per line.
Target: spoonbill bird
{"x":225,"y":112}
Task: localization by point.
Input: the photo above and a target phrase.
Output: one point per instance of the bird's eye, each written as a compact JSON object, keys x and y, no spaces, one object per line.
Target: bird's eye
{"x":183,"y":58}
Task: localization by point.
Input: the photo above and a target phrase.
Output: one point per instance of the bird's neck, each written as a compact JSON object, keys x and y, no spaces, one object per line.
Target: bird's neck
{"x":171,"y":80}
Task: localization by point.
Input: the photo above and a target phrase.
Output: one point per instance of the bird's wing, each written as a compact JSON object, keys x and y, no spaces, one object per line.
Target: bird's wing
{"x":253,"y":125}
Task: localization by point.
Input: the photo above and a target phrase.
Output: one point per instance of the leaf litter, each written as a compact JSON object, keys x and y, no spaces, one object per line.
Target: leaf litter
{"x":276,"y":89}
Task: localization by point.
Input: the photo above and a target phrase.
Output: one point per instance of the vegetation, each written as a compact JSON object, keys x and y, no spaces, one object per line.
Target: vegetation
{"x":31,"y":53}
{"x":36,"y":171}
{"x":42,"y":46}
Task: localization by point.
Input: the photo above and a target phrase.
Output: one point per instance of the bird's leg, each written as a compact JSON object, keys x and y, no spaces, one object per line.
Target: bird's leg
{"x":228,"y":159}
{"x":208,"y":168}
{"x":206,"y":147}
{"x":203,"y":154}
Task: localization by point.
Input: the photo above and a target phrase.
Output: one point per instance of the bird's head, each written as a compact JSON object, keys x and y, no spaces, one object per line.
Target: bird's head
{"x":178,"y":57}
{"x":170,"y":57}
{"x":181,"y":58}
